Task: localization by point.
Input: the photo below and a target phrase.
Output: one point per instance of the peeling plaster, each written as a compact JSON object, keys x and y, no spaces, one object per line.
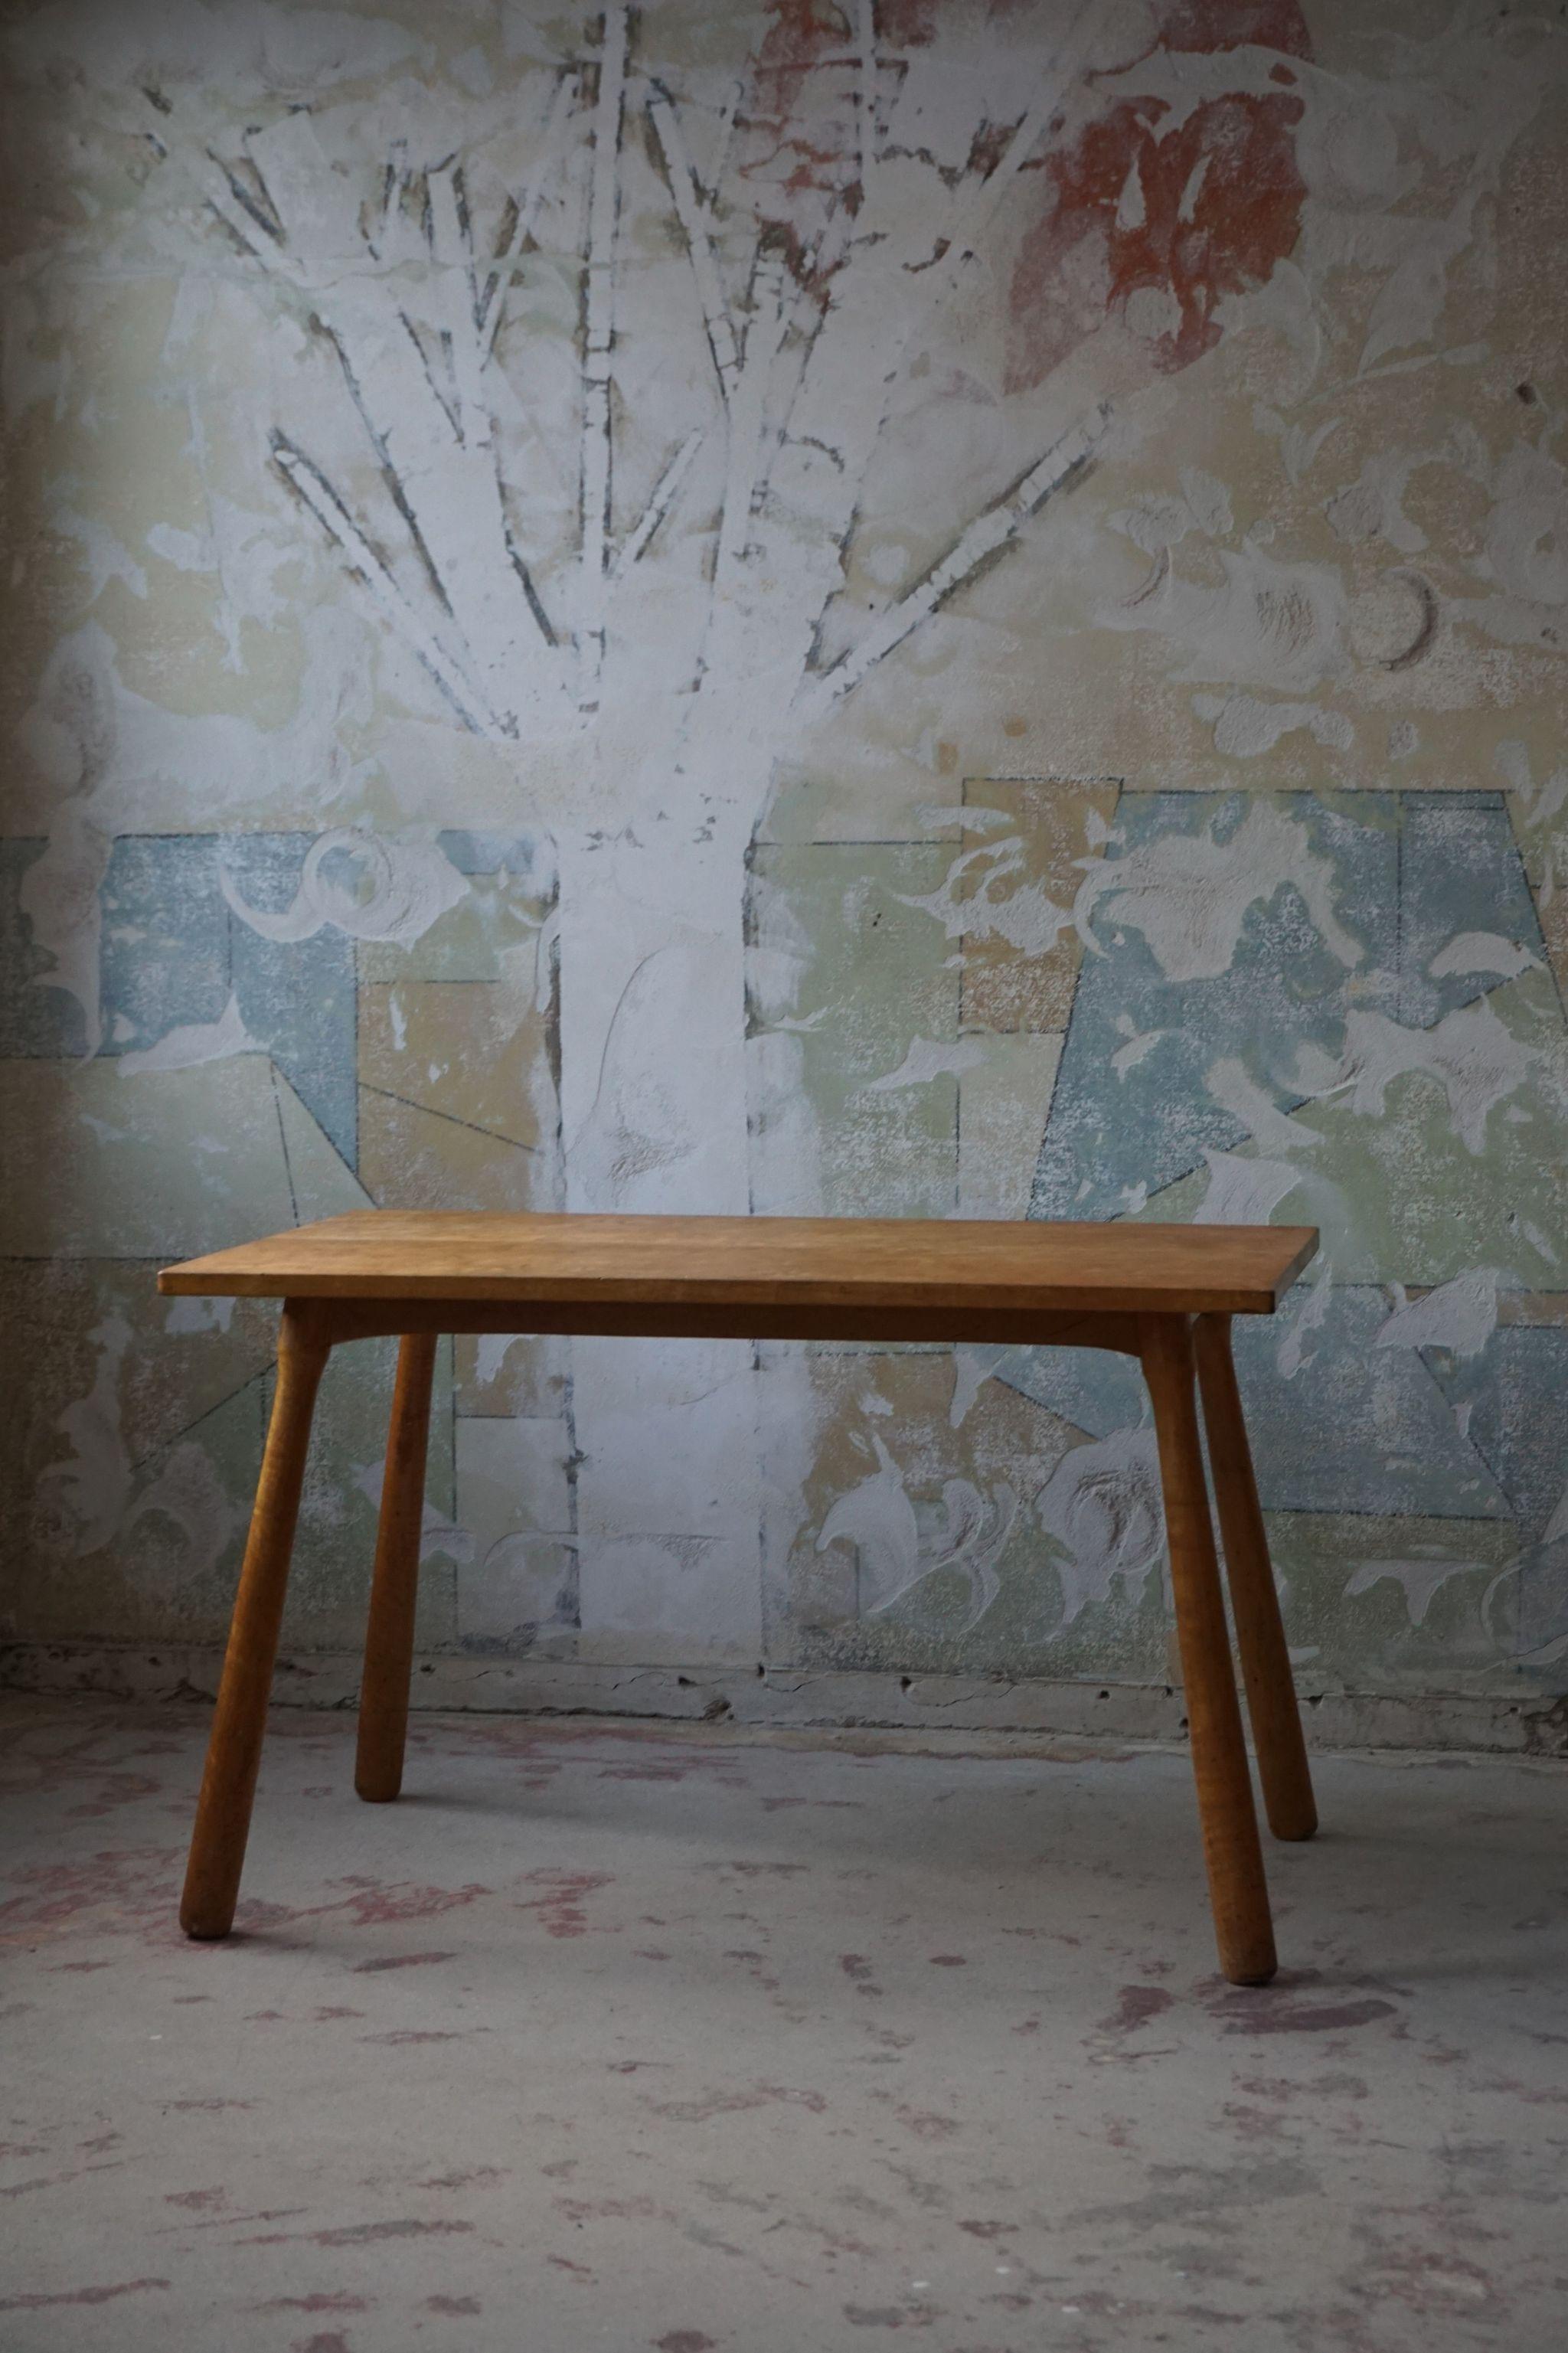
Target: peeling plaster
{"x":1189,"y":894}
{"x":1477,"y":1063}
{"x":486,"y":508}
{"x":365,"y":885}
{"x":194,"y":1042}
{"x":81,"y":1501}
{"x":1460,"y":1316}
{"x":1102,"y":1503}
{"x":894,"y":1552}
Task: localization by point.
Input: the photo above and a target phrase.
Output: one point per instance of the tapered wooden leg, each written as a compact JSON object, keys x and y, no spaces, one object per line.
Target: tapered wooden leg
{"x":1255,"y":1603}
{"x":1232,"y":1852}
{"x":239,"y":1724}
{"x":394,"y":1592}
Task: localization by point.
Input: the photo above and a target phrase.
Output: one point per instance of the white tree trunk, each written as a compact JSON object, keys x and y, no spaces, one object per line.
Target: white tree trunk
{"x":654,"y":1119}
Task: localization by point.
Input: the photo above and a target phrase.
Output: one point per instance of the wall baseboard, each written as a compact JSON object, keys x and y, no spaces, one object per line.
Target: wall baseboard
{"x":1520,"y":1722}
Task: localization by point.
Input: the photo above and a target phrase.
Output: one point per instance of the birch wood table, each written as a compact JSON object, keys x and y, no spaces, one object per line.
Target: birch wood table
{"x":1163,"y":1295}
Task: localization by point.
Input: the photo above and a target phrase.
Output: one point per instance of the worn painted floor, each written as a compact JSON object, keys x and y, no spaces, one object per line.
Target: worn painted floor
{"x":609,"y":2038}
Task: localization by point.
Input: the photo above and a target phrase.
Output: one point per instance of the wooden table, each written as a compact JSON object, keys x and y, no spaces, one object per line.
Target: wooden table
{"x":1164,"y":1294}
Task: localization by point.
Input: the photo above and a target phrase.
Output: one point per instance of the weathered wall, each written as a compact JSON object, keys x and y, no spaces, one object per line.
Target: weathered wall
{"x":913,"y":607}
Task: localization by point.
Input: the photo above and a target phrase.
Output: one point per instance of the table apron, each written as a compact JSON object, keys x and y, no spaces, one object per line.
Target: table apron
{"x":336,"y":1320}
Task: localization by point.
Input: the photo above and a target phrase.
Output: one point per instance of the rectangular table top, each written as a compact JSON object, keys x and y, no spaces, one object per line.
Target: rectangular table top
{"x":568,"y":1259}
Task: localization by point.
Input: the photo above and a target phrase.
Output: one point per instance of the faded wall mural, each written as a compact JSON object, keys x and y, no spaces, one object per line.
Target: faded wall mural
{"x":913,"y":606}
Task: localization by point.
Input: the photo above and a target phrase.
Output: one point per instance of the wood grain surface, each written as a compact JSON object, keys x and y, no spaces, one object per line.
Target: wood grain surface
{"x":798,"y":1263}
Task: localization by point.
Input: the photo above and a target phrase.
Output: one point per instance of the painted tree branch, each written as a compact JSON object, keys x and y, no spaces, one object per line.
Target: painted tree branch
{"x":866,"y":92}
{"x":492,"y":299}
{"x":666,"y":491}
{"x":984,"y":538}
{"x":416,"y":350}
{"x":764,"y":331}
{"x":384,"y":591}
{"x":980,"y":198}
{"x":240,"y":214}
{"x":869,"y":325}
{"x":604,"y":203}
{"x":691,"y":210}
{"x":451,"y":248}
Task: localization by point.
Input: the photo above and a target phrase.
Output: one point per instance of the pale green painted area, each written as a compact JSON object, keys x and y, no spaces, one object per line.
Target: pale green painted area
{"x":167,"y":1570}
{"x":867,"y":984}
{"x":908,"y":806}
{"x":127,"y":1460}
{"x":972,"y":1581}
{"x":321,"y":1181}
{"x":335,"y":1548}
{"x":1023,"y":1632}
{"x":1400,"y":1197}
{"x":497,"y":921}
{"x":98,"y":1162}
{"x":1003,"y":1105}
{"x":179,"y":1546}
{"x":1436,"y":1597}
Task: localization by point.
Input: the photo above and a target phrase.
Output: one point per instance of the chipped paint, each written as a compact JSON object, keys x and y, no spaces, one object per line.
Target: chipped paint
{"x":917,"y":609}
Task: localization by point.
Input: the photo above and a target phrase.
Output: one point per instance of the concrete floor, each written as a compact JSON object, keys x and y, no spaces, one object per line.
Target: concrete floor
{"x":627,"y":2039}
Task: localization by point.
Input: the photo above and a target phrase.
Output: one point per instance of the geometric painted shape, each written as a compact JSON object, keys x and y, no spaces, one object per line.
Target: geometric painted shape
{"x":1002,"y":1105}
{"x":1458,"y":1162}
{"x":1356,"y":1428}
{"x":492,"y":933}
{"x":1413,"y":880}
{"x":96,"y":1162}
{"x":1094,"y":1389}
{"x":174,"y":952}
{"x":1539,"y":1609}
{"x":1394,"y":1602}
{"x":321,"y":1181}
{"x":526,"y":858}
{"x":1353,"y":1429}
{"x":164,"y":958}
{"x":414,"y":1158}
{"x":854,"y":1021}
{"x":1020,"y":970}
{"x":1516,"y":1392}
{"x":470,"y":1051}
{"x":1462,"y":896}
{"x":296,"y":996}
{"x":1207,"y":952}
{"x":36,"y":1016}
{"x":983,"y":1580}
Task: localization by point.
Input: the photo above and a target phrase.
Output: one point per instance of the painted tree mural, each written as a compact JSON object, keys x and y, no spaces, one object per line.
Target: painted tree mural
{"x":912,"y":606}
{"x":665,"y":622}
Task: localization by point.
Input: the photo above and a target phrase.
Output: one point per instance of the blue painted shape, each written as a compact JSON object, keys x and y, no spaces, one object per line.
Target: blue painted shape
{"x":172,"y":951}
{"x":488,"y":853}
{"x":1460,"y":871}
{"x":1357,"y":1427}
{"x":297,"y":997}
{"x":1412,"y":871}
{"x":37,"y":1022}
{"x":1090,"y":1387}
{"x":1540,"y":1610}
{"x":164,"y":960}
{"x":1517,"y":1390}
{"x":1150,"y":1122}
